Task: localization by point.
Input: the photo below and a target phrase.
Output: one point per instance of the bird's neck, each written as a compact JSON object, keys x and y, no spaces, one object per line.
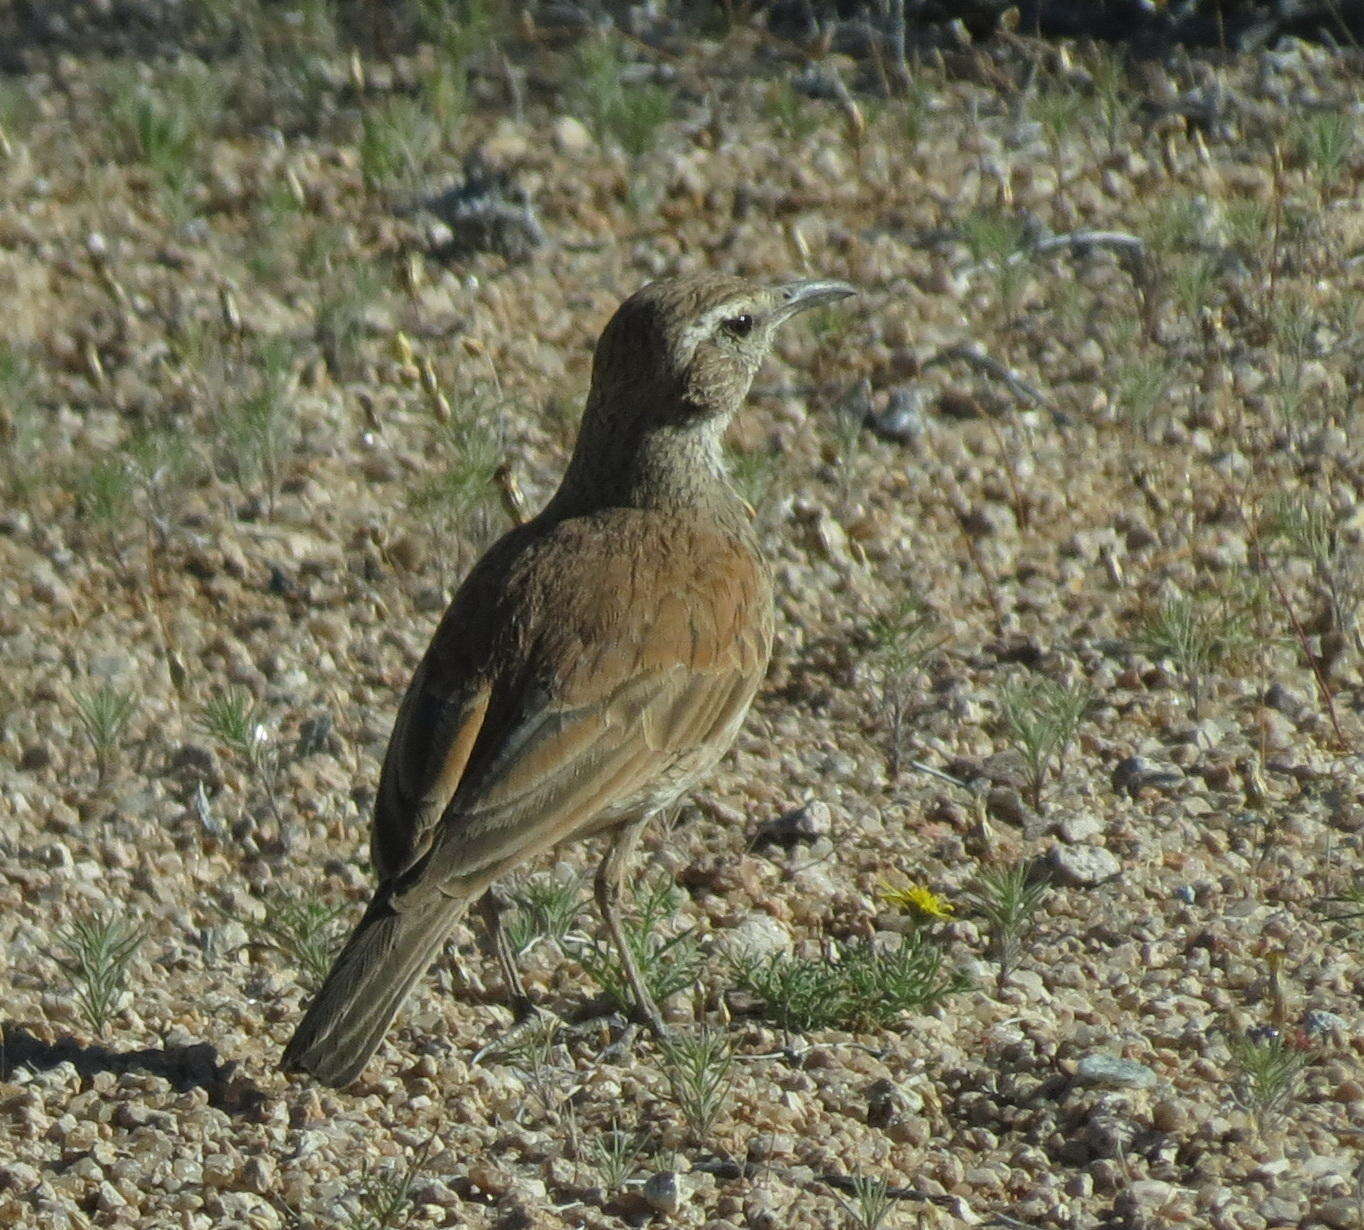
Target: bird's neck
{"x":674,"y":467}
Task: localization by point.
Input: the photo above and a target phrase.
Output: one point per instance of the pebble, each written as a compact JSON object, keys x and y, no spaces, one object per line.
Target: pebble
{"x":1114,"y":1072}
{"x":1320,"y":1023}
{"x":801,"y":825}
{"x":1083,"y":866}
{"x":1079,"y":827}
{"x":904,"y":419}
{"x":758,"y":935}
{"x":664,"y":1192}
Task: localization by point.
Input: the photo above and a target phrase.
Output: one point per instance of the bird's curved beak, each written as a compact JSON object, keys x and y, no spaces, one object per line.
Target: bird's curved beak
{"x":795,"y":297}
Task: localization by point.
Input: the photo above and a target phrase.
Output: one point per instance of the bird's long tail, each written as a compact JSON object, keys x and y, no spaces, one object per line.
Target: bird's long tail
{"x":368,"y":982}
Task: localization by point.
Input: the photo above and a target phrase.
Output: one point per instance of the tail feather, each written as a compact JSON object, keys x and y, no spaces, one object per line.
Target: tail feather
{"x":368,"y":983}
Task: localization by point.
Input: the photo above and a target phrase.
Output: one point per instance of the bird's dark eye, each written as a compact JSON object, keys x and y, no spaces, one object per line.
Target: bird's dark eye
{"x":739,"y":326}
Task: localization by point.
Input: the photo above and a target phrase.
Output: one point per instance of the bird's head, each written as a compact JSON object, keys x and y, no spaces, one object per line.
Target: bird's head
{"x":685,"y":349}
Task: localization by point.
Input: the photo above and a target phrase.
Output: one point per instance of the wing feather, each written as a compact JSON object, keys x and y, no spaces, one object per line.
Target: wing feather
{"x":609,"y":703}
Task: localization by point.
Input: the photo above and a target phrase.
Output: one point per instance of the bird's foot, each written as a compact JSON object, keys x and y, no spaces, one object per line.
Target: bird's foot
{"x":528,"y":1017}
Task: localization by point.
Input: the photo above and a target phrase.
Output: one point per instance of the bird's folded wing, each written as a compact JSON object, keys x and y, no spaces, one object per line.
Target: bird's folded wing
{"x":433,"y":738}
{"x":561,"y":767}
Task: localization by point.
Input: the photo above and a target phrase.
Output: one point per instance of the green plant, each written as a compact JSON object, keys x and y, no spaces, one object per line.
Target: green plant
{"x":463,"y":489}
{"x":397,"y":138}
{"x":1323,"y":140}
{"x":104,"y":492}
{"x":1267,"y":1067}
{"x":159,"y":460}
{"x":1057,"y":109}
{"x":1115,"y":98}
{"x":256,"y":431}
{"x":21,"y":426}
{"x":631,"y":113}
{"x":1300,"y":523}
{"x":998,"y":241}
{"x":855,"y":986}
{"x":236,"y":721}
{"x":992,"y":236}
{"x":1007,"y":900}
{"x":531,"y":1052}
{"x":1197,"y":635}
{"x":1041,"y":718}
{"x":794,"y":116}
{"x":307,"y":932}
{"x":17,"y":110}
{"x":917,"y":104}
{"x":1293,"y":328}
{"x":615,"y":1156}
{"x":233,"y":718}
{"x":699,"y":1071}
{"x":1352,"y":916}
{"x":899,"y":644}
{"x":289,"y":57}
{"x":546,"y":908}
{"x":667,"y":963}
{"x":1139,"y":388}
{"x":1175,"y":223}
{"x":165,"y":122}
{"x":462,"y":29}
{"x":95,"y":952}
{"x":1194,"y":281}
{"x":274,"y":236}
{"x":104,"y":714}
{"x":383,"y":1198}
{"x":1248,"y":224}
{"x":345,"y":297}
{"x":753,"y":472}
{"x":870,"y":1205}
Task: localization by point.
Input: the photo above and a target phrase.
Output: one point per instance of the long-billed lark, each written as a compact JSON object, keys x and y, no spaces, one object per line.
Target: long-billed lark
{"x":593,"y":666}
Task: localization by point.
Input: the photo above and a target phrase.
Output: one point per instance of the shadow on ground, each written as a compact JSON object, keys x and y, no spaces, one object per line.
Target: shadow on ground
{"x":184,"y":1067}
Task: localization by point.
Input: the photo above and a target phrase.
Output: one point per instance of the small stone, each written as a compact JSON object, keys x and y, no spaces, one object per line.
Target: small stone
{"x":1080,"y":827}
{"x":801,"y":825}
{"x":1343,"y":1213}
{"x":663,"y":1192}
{"x":758,"y":935}
{"x":1320,"y":1023}
{"x":570,"y":136}
{"x":1151,"y":1194}
{"x":1114,"y":1072}
{"x":988,"y":519}
{"x":1136,"y":773}
{"x":1084,"y":866}
{"x":1167,"y":1115}
{"x":903,"y":421}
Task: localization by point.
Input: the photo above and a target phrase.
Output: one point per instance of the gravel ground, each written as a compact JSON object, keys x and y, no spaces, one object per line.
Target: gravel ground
{"x":259,"y":363}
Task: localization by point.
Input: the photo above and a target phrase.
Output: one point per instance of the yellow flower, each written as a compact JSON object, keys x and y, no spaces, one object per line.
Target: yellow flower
{"x":917,"y":900}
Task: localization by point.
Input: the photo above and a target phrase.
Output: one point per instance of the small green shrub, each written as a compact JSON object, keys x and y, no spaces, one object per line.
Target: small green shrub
{"x":1041,"y":718}
{"x":858,"y":986}
{"x":104,"y":714}
{"x":95,"y":952}
{"x":1007,"y":900}
{"x":699,"y":1068}
{"x":304,"y":930}
{"x":668,"y":963}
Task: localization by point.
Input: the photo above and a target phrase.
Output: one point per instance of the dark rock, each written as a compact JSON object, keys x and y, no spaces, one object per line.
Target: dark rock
{"x":800,"y":826}
{"x":485,"y":213}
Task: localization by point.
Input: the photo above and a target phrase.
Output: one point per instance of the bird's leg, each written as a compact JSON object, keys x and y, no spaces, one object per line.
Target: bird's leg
{"x":492,"y":906}
{"x":525,"y":1012}
{"x":609,"y":874}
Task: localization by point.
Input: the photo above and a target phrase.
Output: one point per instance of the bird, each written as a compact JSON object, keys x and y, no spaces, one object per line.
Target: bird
{"x":591,"y":669}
